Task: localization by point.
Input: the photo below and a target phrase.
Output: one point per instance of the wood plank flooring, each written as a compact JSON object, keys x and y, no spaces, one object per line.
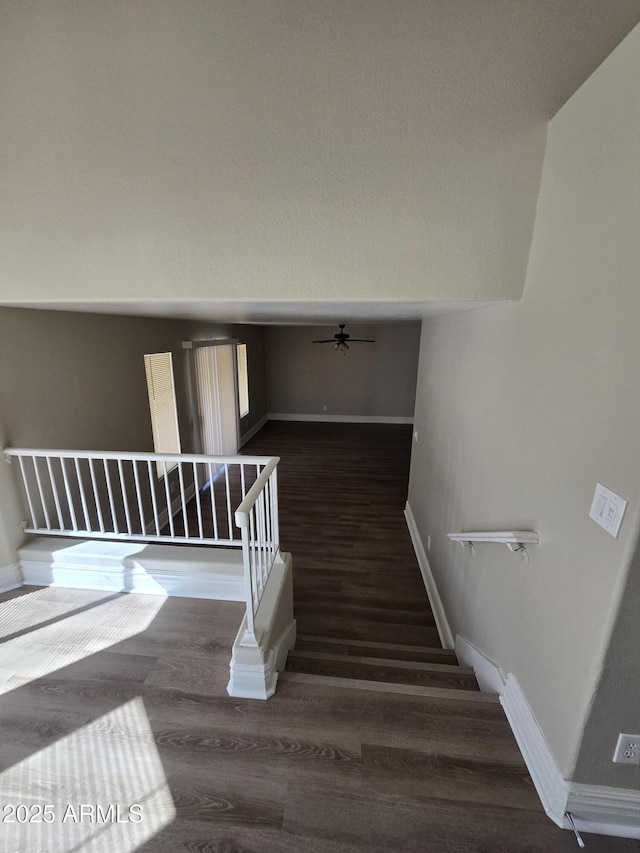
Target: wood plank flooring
{"x":355,"y":574}
{"x":342,"y":492}
{"x":107,"y":701}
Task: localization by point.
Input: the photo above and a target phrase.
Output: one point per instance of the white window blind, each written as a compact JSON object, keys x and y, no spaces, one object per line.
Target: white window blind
{"x":162,"y":405}
{"x":243,"y":381}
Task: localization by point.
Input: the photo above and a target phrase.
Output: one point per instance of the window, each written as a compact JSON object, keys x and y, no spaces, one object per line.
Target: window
{"x":162,"y":405}
{"x":243,"y":380}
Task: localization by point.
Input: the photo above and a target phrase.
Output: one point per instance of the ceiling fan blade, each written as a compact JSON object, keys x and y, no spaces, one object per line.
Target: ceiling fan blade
{"x":339,"y":341}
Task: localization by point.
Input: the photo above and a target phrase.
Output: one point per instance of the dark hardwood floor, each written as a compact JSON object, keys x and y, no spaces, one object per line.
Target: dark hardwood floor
{"x":110,"y":701}
{"x":342,"y":492}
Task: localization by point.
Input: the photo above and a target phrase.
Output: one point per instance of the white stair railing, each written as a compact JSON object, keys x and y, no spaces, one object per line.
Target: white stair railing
{"x":257,"y":518}
{"x":150,"y":497}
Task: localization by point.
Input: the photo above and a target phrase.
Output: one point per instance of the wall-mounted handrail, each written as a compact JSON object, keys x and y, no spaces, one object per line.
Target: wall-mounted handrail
{"x":515,"y":540}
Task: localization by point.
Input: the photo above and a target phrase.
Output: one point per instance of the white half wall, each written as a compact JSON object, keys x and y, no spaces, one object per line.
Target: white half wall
{"x":176,"y":570}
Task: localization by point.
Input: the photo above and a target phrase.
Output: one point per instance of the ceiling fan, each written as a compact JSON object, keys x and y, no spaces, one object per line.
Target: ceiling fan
{"x":339,"y":341}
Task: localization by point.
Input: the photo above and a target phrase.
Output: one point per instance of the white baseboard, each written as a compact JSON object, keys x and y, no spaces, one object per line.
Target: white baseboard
{"x":341,"y":419}
{"x":597,"y":809}
{"x":488,"y":674}
{"x":253,"y":430}
{"x":552,"y":788}
{"x":178,"y":570}
{"x":605,"y":811}
{"x":10,"y":577}
{"x":442,"y":624}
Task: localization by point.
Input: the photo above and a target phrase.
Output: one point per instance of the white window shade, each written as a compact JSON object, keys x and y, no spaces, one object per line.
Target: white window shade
{"x":243,"y":381}
{"x":162,"y":405}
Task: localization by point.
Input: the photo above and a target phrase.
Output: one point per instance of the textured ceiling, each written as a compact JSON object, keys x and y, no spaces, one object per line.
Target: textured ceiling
{"x":264,"y":161}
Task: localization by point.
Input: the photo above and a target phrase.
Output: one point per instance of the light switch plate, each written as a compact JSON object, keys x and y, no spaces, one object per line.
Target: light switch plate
{"x":607,"y":509}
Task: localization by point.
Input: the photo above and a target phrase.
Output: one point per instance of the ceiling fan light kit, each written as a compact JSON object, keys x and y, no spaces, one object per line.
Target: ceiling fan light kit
{"x":339,"y":341}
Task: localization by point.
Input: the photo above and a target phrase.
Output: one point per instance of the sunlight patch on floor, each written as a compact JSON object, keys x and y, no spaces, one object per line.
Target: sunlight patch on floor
{"x":43,"y":632}
{"x":98,"y":790}
{"x":26,"y":611}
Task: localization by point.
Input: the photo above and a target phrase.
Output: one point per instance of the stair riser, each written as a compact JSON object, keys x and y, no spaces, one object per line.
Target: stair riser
{"x":435,"y":657}
{"x":362,"y":672}
{"x":384,"y":687}
{"x":398,"y":663}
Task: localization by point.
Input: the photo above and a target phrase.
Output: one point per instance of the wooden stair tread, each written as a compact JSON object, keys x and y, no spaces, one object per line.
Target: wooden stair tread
{"x":375,"y":672}
{"x":386,"y":687}
{"x":394,"y":599}
{"x":374,"y":648}
{"x":333,"y":610}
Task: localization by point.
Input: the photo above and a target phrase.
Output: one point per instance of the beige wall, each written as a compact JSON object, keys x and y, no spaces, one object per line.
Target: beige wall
{"x":371,"y":379}
{"x":521,"y":410}
{"x":265,"y":151}
{"x":77,"y":381}
{"x":616,"y":701}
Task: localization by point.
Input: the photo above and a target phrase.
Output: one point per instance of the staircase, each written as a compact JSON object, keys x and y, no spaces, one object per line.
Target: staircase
{"x":384,"y":667}
{"x":413,"y":753}
{"x":364,"y":620}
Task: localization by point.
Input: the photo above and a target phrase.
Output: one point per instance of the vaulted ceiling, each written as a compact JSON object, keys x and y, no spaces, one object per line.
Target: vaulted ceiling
{"x":266,"y":161}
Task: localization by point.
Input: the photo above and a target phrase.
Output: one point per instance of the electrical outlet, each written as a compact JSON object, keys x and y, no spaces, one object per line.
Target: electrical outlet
{"x":627,"y":749}
{"x":324,"y":408}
